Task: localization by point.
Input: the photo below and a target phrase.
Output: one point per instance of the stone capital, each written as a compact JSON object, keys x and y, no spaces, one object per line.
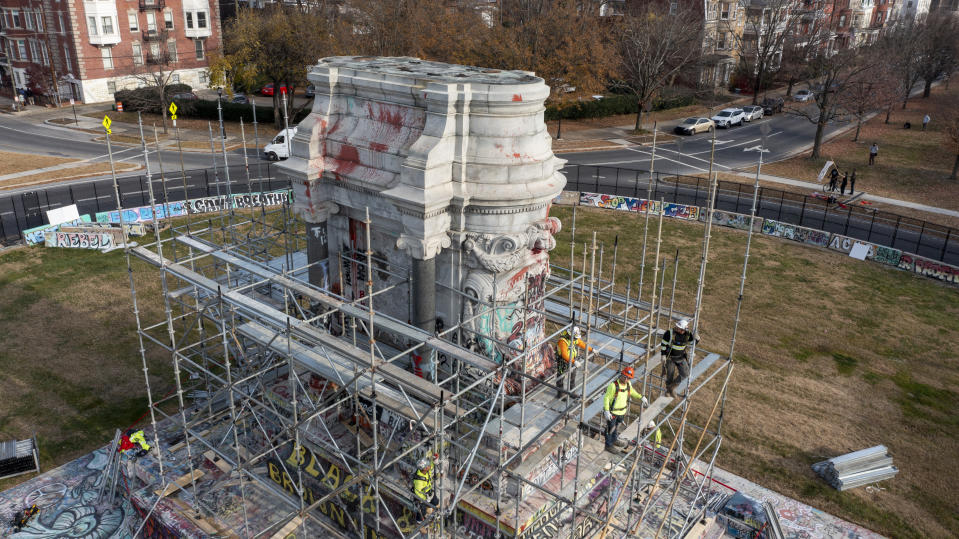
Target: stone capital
{"x":423,"y":248}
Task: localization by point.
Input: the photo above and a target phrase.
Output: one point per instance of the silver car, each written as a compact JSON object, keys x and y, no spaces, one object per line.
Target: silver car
{"x":752,"y":112}
{"x":728,"y":117}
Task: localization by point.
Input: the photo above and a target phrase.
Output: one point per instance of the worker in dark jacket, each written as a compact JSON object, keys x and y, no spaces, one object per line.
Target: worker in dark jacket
{"x":675,"y":352}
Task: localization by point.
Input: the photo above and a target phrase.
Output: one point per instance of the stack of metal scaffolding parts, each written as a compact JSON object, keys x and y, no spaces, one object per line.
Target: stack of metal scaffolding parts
{"x":18,"y":457}
{"x":857,"y":469}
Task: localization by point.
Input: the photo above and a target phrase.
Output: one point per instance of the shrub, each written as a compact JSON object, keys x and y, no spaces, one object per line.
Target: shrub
{"x":613,"y":105}
{"x":145,"y":99}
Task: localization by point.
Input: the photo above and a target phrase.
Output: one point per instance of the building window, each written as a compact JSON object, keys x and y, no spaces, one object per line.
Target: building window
{"x":155,"y":50}
{"x":202,"y":77}
{"x":879,"y":18}
{"x":722,"y":41}
{"x":34,"y":51}
{"x":111,"y":87}
{"x":175,"y":78}
{"x":137,"y":53}
{"x":63,"y":28}
{"x":107,"y":25}
{"x":151,"y":22}
{"x":28,"y":20}
{"x":842,"y":21}
{"x":672,"y":7}
{"x":39,"y":21}
{"x":92,"y":25}
{"x":189,"y":19}
{"x":171,"y":48}
{"x":107,"y":54}
{"x":134,"y":23}
{"x":724,"y":10}
{"x":46,"y":55}
{"x":66,"y":56}
{"x":199,"y":49}
{"x":21,"y":49}
{"x":168,"y":20}
{"x":201,"y":19}
{"x":15,"y":18}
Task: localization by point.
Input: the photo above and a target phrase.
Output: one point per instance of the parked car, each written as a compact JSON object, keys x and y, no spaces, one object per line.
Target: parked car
{"x":752,"y":112}
{"x":691,"y":126}
{"x":268,"y":89}
{"x":803,"y":95}
{"x":240,"y":99}
{"x":728,"y":117}
{"x":310,"y":91}
{"x":772,"y":105}
{"x":185,"y":96}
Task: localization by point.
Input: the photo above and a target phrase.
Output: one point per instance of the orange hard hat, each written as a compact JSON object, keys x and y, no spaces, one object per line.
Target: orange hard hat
{"x":628,"y":372}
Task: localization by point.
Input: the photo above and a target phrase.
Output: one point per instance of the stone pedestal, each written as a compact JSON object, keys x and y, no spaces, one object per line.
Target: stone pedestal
{"x":455,"y":166}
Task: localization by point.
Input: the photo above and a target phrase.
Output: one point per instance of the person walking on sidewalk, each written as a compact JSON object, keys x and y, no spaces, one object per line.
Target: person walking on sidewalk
{"x":873,"y":152}
{"x":852,"y":183}
{"x":925,"y":121}
{"x":616,"y":402}
{"x":845,"y":181}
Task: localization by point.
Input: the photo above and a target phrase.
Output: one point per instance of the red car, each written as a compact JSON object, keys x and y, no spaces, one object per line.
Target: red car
{"x":268,"y":89}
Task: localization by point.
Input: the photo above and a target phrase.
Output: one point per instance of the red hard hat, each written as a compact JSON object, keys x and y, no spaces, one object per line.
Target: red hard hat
{"x":628,"y":372}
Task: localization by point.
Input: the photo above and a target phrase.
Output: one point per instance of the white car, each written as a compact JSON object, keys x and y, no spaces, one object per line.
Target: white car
{"x":752,"y":112}
{"x":728,"y":117}
{"x":804,"y":95}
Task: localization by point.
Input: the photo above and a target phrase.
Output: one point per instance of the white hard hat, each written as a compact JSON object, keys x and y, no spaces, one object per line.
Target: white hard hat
{"x":682,"y":323}
{"x":652,"y":425}
{"x":423,"y":463}
{"x":576,"y":332}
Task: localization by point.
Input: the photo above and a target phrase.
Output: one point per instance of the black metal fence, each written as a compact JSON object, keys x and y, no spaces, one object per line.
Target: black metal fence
{"x":26,"y":210}
{"x":916,"y":236}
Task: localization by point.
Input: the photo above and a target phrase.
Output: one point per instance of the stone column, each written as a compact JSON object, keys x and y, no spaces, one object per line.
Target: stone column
{"x":317,"y":242}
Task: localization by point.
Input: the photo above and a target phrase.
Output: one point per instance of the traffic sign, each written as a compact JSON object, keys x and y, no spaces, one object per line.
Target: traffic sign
{"x":106,"y":124}
{"x":172,"y":108}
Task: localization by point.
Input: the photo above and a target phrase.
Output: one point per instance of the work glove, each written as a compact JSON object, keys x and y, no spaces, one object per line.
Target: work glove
{"x":607,"y":415}
{"x":645,"y":402}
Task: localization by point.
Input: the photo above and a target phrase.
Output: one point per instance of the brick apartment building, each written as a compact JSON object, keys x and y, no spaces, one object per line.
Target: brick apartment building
{"x":95,"y":47}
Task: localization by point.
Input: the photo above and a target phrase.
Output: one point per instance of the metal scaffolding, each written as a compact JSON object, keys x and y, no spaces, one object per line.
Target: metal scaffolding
{"x":296,"y":411}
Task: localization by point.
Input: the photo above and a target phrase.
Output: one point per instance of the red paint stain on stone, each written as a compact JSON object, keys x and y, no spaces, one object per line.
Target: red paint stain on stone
{"x":389,"y":115}
{"x":516,"y":155}
{"x":378,"y":146}
{"x":347,"y":159}
{"x":515,"y":278}
{"x":517,"y":97}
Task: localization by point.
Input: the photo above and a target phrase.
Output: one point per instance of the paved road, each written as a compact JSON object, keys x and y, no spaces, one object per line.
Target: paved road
{"x":690,"y":154}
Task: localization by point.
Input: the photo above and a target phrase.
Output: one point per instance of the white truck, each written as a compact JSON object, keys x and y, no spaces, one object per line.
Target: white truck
{"x":279,"y":147}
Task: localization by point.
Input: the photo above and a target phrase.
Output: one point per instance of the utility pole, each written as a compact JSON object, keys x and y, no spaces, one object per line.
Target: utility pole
{"x":13,"y":84}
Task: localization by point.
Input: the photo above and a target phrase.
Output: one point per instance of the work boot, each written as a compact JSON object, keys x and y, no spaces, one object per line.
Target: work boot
{"x":669,"y":390}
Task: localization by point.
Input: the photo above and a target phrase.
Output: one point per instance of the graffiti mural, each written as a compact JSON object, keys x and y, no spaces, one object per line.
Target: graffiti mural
{"x":929,"y":268}
{"x":81,"y":240}
{"x":143,"y":214}
{"x":887,"y":255}
{"x":246,"y":200}
{"x":641,"y":205}
{"x":732,"y":220}
{"x":811,"y":236}
{"x":65,"y":497}
{"x":35,"y":235}
{"x":779,"y":229}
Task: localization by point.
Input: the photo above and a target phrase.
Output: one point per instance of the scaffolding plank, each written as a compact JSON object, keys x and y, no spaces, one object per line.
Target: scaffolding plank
{"x":560,"y":313}
{"x":649,"y":414}
{"x":698,"y":370}
{"x":179,"y":483}
{"x":288,"y":528}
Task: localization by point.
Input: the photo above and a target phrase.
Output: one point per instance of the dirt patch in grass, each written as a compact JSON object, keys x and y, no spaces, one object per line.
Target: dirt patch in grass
{"x":912,"y":164}
{"x":80,"y":171}
{"x":12,"y":162}
{"x":821,"y":353}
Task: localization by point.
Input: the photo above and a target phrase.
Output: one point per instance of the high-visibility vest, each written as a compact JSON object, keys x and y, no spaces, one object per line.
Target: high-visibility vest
{"x":423,"y":484}
{"x":138,"y":438}
{"x":675,"y":345}
{"x":621,"y":399}
{"x":658,"y":437}
{"x":562,"y":364}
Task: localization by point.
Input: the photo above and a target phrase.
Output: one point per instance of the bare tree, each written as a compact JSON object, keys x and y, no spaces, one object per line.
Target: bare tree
{"x":155,"y":70}
{"x":766,"y":27}
{"x":952,"y":129}
{"x":870,"y":86}
{"x":654,"y":47}
{"x":836,"y":74}
{"x":901,"y":47}
{"x":938,"y":48}
{"x":802,"y":44}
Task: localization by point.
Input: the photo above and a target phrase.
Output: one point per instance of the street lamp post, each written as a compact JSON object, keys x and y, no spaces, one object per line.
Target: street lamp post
{"x":219,"y":111}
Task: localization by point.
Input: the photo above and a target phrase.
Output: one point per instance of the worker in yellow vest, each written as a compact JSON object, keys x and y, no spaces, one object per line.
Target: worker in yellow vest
{"x":425,"y":498}
{"x":616,"y":402}
{"x":566,"y":352}
{"x":657,"y":436}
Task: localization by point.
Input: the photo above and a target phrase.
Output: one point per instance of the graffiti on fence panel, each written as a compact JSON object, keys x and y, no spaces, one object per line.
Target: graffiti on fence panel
{"x":622,"y":203}
{"x":37,"y":234}
{"x":247,"y":200}
{"x":732,"y":220}
{"x":929,"y":268}
{"x":844,"y":244}
{"x":886,"y":255}
{"x":79,"y":240}
{"x":143,"y":214}
{"x":811,"y":236}
{"x":779,"y":229}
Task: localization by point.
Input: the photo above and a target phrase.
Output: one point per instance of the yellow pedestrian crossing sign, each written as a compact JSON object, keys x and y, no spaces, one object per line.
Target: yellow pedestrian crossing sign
{"x":106,"y":124}
{"x":172,"y":110}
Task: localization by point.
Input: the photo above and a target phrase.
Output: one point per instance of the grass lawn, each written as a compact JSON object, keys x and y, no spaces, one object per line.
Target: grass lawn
{"x":833,"y":355}
{"x":13,"y":162}
{"x":912,"y":165}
